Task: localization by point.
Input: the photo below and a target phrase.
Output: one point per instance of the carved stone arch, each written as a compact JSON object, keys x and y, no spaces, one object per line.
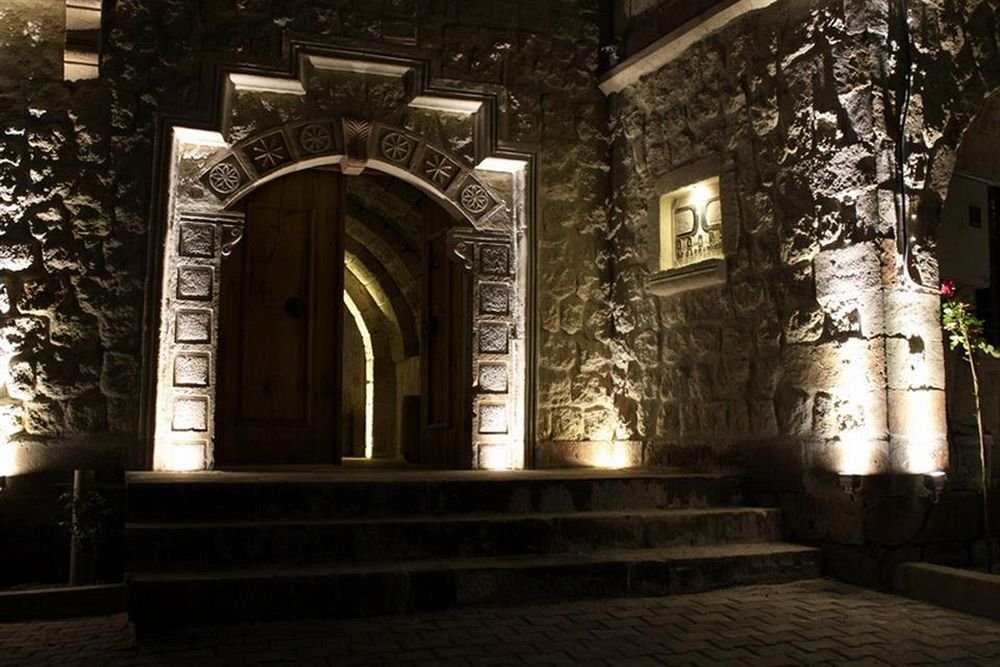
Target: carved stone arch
{"x":209,"y":177}
{"x":355,"y":145}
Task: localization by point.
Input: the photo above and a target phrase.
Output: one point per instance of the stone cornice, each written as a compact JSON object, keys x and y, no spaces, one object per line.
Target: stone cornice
{"x":672,"y":45}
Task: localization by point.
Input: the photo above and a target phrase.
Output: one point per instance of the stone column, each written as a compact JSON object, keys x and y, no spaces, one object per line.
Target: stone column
{"x":189,"y":330}
{"x":496,"y":421}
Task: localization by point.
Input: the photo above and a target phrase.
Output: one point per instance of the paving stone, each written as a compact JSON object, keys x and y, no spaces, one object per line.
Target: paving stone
{"x":685,"y":630}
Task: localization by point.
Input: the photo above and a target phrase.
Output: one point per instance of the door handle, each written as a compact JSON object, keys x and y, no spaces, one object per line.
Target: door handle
{"x":295,"y":307}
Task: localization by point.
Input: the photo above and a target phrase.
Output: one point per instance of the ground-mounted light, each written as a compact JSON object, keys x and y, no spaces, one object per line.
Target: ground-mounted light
{"x":935,"y":482}
{"x":612,"y":455}
{"x":851,"y":484}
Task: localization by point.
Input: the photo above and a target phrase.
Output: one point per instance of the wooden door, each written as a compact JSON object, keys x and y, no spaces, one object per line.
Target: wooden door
{"x":446,"y":352}
{"x":281,"y":325}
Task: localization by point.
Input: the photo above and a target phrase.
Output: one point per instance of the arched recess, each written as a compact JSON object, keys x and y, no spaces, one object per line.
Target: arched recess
{"x":209,"y":177}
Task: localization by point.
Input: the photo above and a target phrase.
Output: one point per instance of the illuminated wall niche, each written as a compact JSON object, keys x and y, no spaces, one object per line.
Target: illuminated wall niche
{"x":687,"y":226}
{"x":691,"y":225}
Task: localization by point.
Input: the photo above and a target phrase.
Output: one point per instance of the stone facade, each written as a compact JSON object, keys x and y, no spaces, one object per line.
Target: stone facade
{"x":822,"y":352}
{"x":811,"y":358}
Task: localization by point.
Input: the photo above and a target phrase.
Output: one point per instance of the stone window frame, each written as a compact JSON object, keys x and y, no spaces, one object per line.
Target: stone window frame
{"x":706,"y":273}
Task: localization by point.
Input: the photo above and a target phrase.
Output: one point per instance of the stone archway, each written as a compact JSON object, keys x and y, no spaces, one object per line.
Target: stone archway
{"x":209,"y":177}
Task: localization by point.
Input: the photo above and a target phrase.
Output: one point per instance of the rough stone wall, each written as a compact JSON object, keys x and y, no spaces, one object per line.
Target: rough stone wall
{"x":817,"y":332}
{"x":782,"y":99}
{"x":78,"y":177}
{"x":68,"y":255}
{"x":956,"y":93}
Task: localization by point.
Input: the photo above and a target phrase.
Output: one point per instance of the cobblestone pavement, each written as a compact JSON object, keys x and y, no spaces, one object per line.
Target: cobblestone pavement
{"x":814,"y":622}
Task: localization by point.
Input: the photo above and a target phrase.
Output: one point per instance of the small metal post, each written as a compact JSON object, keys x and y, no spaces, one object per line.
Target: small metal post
{"x":81,"y":560}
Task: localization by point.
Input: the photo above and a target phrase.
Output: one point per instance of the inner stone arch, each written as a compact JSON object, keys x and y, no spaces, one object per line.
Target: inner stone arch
{"x":211,"y":177}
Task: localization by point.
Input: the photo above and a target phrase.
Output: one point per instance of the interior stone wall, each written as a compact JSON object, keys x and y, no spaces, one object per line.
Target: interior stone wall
{"x":354,"y":389}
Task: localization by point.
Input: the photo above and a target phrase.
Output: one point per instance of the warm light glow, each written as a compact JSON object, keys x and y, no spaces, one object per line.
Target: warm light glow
{"x":495,"y":458}
{"x":700,"y":194}
{"x":9,"y":421}
{"x":186,"y":457}
{"x":920,"y":412}
{"x":856,"y":409}
{"x":612,"y":455}
{"x":8,"y":458}
{"x":366,"y":341}
{"x":689,"y":223}
{"x":504,"y":165}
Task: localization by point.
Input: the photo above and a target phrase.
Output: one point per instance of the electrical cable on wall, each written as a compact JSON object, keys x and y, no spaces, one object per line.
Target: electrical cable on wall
{"x":904,"y":53}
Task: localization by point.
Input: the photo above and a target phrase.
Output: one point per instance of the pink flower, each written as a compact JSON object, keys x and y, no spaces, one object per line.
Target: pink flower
{"x":948,"y":288}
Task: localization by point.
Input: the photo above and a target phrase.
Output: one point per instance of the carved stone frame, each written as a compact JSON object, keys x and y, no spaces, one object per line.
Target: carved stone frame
{"x":202,"y":229}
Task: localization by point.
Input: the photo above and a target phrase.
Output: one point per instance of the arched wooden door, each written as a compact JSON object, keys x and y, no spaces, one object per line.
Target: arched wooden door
{"x":281,"y":323}
{"x":446,"y":358}
{"x":280,"y":371}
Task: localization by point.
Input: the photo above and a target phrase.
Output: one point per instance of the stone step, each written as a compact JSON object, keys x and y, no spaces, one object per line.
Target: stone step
{"x":158,"y":599}
{"x":180,"y":545}
{"x":229,"y":496}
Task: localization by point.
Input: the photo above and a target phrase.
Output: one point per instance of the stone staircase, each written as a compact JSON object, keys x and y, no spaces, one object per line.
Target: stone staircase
{"x":215,"y":547}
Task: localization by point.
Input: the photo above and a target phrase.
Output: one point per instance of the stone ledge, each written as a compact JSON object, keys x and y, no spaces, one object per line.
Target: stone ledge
{"x":962,"y":590}
{"x":673,"y":44}
{"x":674,"y":281}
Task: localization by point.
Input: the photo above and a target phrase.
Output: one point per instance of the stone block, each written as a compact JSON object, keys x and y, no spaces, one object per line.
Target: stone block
{"x":192,"y":369}
{"x":190,"y":414}
{"x":196,"y":239}
{"x":195,"y":283}
{"x":16,"y":256}
{"x":43,"y":417}
{"x":915,"y":362}
{"x":494,"y":338}
{"x":493,"y":418}
{"x":911,"y":314}
{"x":494,"y":299}
{"x":86,"y":413}
{"x":21,"y":380}
{"x":493,"y":378}
{"x":494,"y":260}
{"x":119,"y":374}
{"x":193,"y":326}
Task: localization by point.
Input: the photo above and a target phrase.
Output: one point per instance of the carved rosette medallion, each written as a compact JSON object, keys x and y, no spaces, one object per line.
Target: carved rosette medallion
{"x":396,"y":147}
{"x":224,"y":178}
{"x":439,"y":170}
{"x":475,"y":199}
{"x":268,"y":153}
{"x":316,"y":138}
